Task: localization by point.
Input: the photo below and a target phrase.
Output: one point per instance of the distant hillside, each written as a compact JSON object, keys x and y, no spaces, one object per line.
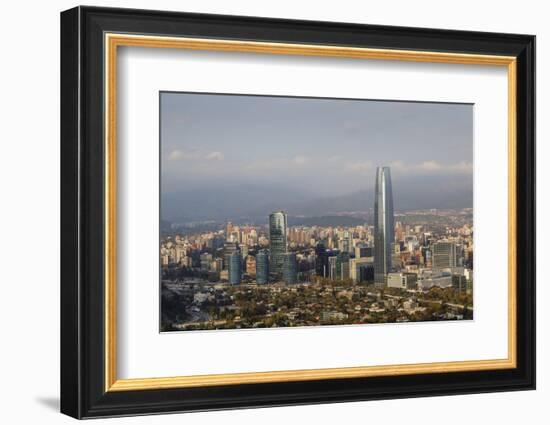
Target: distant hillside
{"x":255,"y":202}
{"x":332,"y":220}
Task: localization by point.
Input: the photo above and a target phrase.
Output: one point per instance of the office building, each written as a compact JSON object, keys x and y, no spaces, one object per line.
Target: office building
{"x":262,"y":267}
{"x":363,"y":250}
{"x":332,"y":267}
{"x":402,"y":280}
{"x":342,"y":266}
{"x":228,"y":249}
{"x":250,"y":265}
{"x":445,"y":254}
{"x":235,"y":268}
{"x":290,"y":268}
{"x":277,"y":241}
{"x":244,"y":250}
{"x":361,"y":269}
{"x":321,"y":260}
{"x":383,"y":225}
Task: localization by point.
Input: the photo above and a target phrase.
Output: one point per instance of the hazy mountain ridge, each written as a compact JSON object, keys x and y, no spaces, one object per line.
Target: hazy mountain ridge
{"x":325,"y":221}
{"x":255,"y":202}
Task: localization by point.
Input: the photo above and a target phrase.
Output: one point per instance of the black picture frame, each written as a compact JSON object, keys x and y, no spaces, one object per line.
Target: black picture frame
{"x":83,"y":392}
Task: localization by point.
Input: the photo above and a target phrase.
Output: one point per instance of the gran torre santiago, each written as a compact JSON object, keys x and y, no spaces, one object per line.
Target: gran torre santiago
{"x":383,"y":225}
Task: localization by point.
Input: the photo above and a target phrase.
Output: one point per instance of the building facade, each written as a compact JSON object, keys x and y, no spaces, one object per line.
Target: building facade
{"x":277,"y":241}
{"x":342,"y":266}
{"x":290,"y":268}
{"x":228,"y":249}
{"x":445,"y":254}
{"x":321,"y":260}
{"x":235,"y":268}
{"x":262,"y":267}
{"x":402,"y":280}
{"x":363,"y":250}
{"x":332,"y":267}
{"x":383,"y":225}
{"x":361,"y":269}
{"x":250,"y":265}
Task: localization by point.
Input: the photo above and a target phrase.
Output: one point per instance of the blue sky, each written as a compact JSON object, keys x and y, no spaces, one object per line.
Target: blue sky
{"x":328,"y":146}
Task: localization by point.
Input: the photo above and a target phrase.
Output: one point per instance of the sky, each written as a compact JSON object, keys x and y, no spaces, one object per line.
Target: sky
{"x":322,"y":146}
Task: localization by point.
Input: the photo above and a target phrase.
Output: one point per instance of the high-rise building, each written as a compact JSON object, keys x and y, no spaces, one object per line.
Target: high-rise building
{"x":460,"y":283}
{"x":399,"y":231}
{"x":362,"y":251}
{"x":262,"y":267}
{"x":228,"y":229}
{"x":206,"y":261}
{"x":396,"y":255}
{"x":344,"y":244}
{"x":383,"y":225}
{"x":250,"y":265}
{"x":342,"y":266}
{"x":427,"y":257}
{"x":361,"y":269}
{"x":277,"y":241}
{"x":332,"y":267}
{"x":445,"y":254}
{"x":235,"y":268}
{"x":228,"y":249}
{"x":290,"y":268}
{"x":217,"y":265}
{"x":321,"y":261}
{"x":244,"y":250}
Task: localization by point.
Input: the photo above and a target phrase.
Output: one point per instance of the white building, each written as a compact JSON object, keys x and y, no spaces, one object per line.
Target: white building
{"x":430,"y":278}
{"x":402,"y":280}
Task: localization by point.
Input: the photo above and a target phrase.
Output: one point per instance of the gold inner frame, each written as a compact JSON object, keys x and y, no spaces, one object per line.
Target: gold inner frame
{"x":113,"y":41}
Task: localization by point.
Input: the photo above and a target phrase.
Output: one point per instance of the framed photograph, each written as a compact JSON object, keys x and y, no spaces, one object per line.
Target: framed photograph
{"x":261,"y":212}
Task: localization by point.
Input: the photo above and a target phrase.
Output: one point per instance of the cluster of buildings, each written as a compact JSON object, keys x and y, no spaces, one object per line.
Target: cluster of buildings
{"x":223,"y":306}
{"x":388,"y":254}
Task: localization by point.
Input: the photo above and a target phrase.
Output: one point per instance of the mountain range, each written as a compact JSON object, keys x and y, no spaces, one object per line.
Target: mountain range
{"x":254,"y":202}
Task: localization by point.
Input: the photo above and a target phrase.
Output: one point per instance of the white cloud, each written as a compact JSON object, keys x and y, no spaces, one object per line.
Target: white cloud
{"x":215,"y":156}
{"x":430,"y":166}
{"x":175,"y":155}
{"x":299,"y":160}
{"x":192,"y":154}
{"x":178,"y":155}
{"x":463,"y":167}
{"x":279,"y":163}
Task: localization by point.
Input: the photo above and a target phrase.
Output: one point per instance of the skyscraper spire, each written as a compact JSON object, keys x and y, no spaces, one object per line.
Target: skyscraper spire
{"x":383,"y":225}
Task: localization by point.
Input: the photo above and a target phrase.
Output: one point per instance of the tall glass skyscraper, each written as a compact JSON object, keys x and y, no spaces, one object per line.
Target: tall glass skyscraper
{"x":235,"y":268}
{"x":277,"y":241}
{"x":321,"y":260}
{"x":262,"y":267}
{"x":290,"y":268}
{"x":383,"y":225}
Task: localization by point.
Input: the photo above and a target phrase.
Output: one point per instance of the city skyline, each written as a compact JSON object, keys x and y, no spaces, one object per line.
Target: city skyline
{"x":249,"y":276}
{"x":294,"y":223}
{"x":282,"y":264}
{"x":431,"y":276}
